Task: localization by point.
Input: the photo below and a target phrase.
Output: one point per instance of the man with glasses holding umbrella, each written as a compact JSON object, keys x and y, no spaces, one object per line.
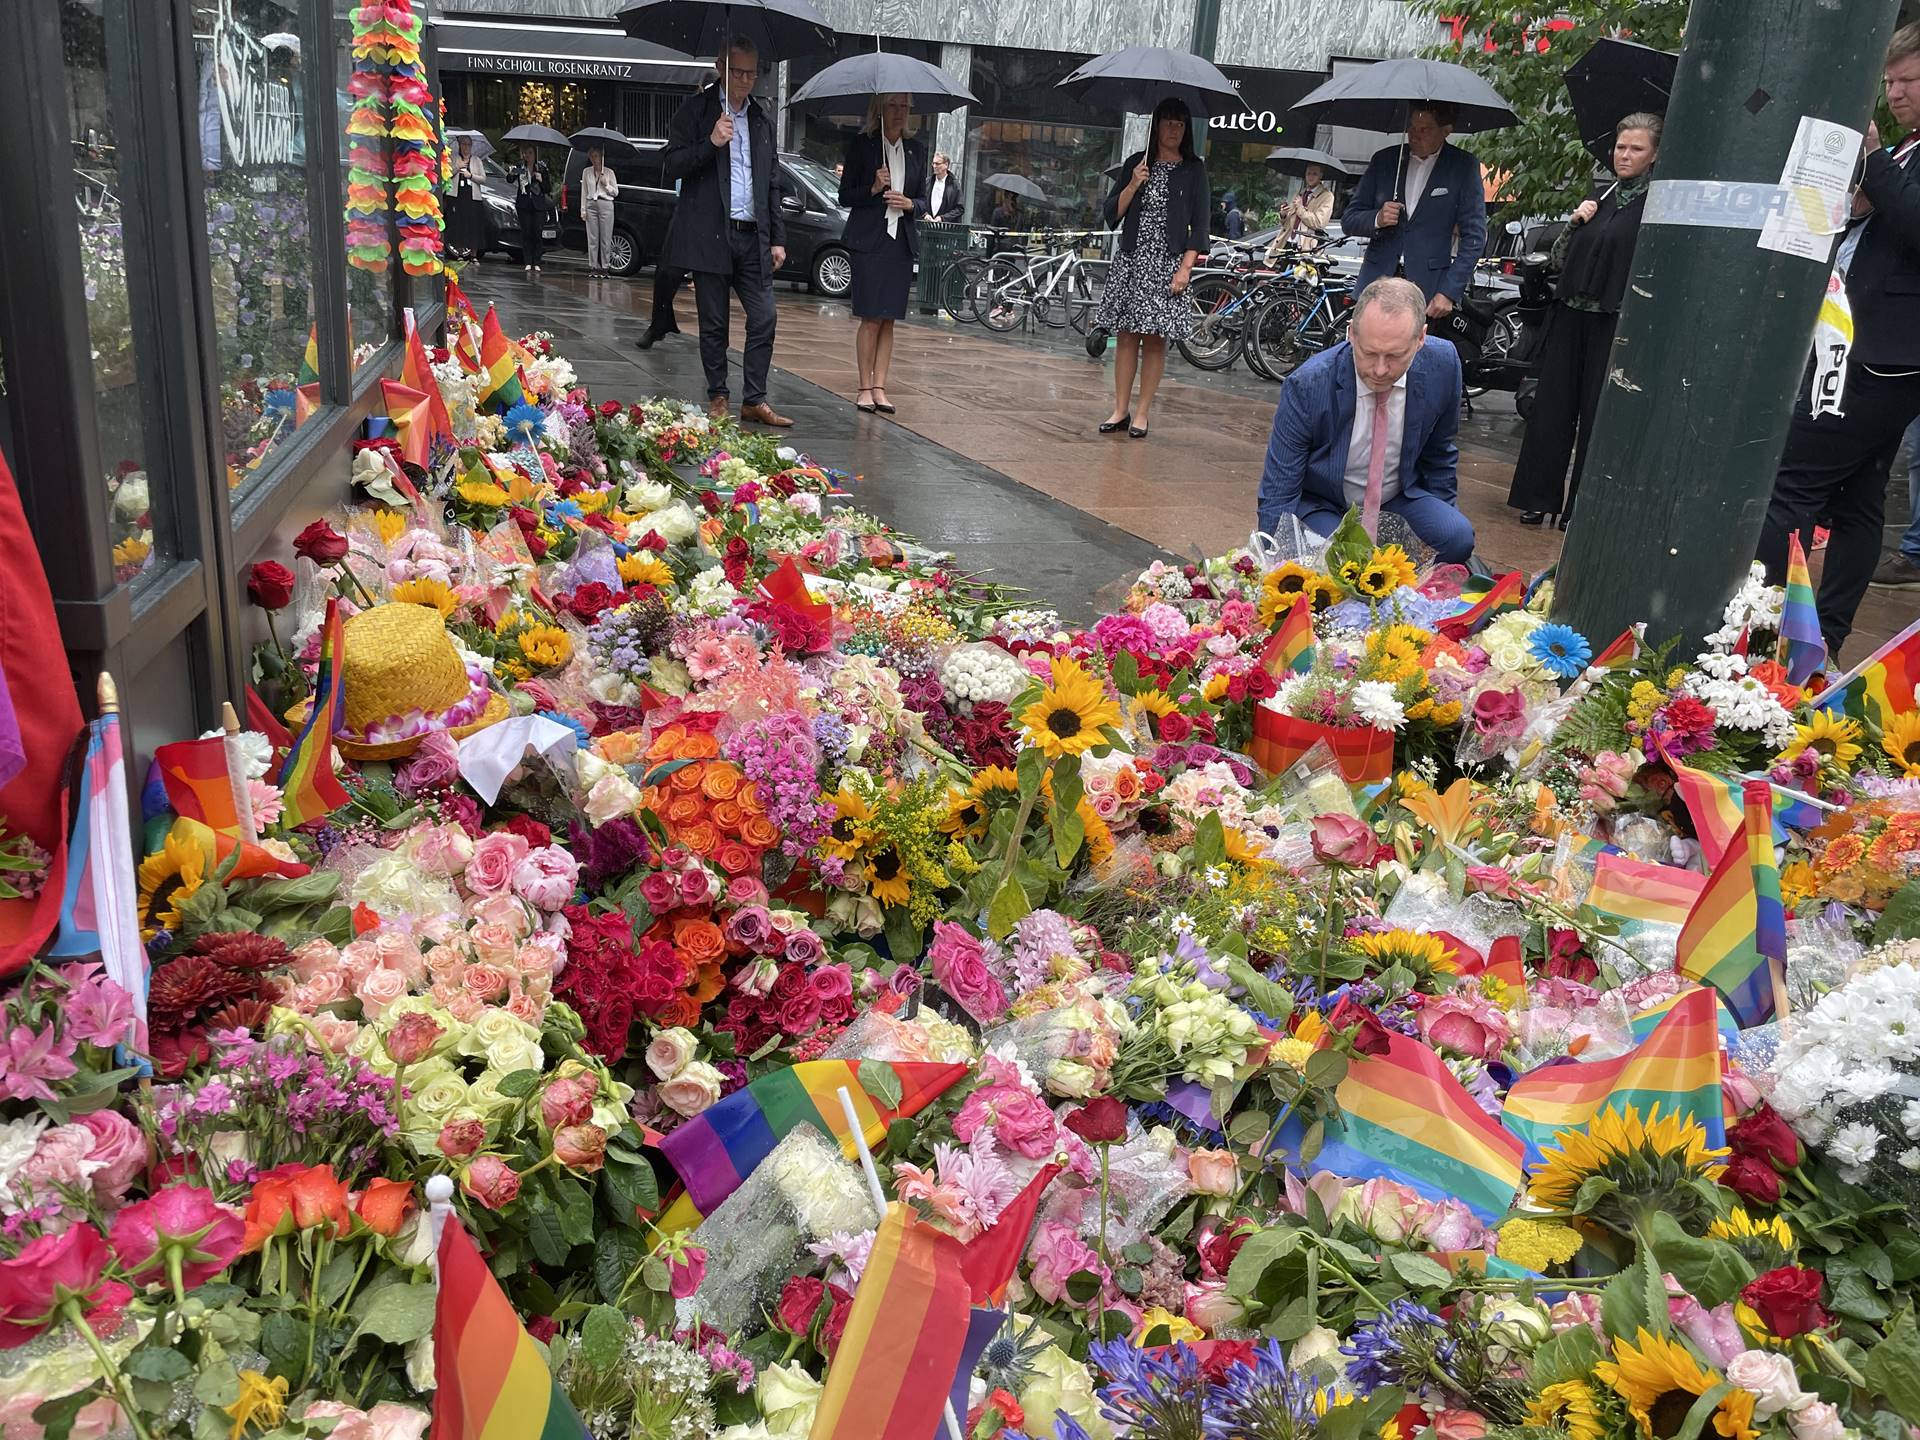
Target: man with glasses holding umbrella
{"x":727,"y":229}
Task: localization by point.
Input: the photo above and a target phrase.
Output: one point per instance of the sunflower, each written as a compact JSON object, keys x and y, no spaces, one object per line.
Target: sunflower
{"x":389,"y":525}
{"x":1068,"y":716}
{"x":1652,"y":1164}
{"x":991,"y":782}
{"x":481,"y":492}
{"x":1568,"y":1406}
{"x":966,"y":817}
{"x":1099,"y":835}
{"x":434,"y":594}
{"x":1767,"y":1244}
{"x":1660,"y":1381}
{"x":1834,"y":738}
{"x":166,"y":878}
{"x":641,"y":568}
{"x":1155,"y":703}
{"x":1324,"y":594}
{"x":1423,"y":954}
{"x":546,"y":646}
{"x":887,"y":879}
{"x":1380,"y":574}
{"x":1902,"y":742}
{"x":848,"y":833}
{"x":1279,"y":590}
{"x":131,"y":551}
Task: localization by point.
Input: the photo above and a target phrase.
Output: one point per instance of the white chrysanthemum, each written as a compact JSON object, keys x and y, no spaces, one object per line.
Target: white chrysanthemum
{"x":1854,"y":1144}
{"x":256,"y":752}
{"x":1374,"y":702}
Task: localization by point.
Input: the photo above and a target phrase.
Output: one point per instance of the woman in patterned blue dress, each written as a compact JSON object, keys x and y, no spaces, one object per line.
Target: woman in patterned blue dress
{"x":1160,"y":204}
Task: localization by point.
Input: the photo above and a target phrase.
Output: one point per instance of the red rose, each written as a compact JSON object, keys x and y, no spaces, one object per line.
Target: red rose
{"x":710,"y":502}
{"x":1753,"y":1180}
{"x":836,"y":1325}
{"x":270,"y":585}
{"x":801,"y":1013}
{"x":1099,"y":1122}
{"x":609,"y":408}
{"x":590,"y":599}
{"x":321,"y":543}
{"x":1175,"y":727}
{"x":1787,"y":1300}
{"x":1763,"y":1135}
{"x":794,"y":1311}
{"x":1219,"y":1248}
{"x":1370,"y":1037}
{"x":542,"y":1327}
{"x":1567,"y":959}
{"x":652,"y":540}
{"x":530,"y":830}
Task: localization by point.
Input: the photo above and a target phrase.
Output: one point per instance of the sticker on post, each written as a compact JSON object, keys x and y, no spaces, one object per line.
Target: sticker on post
{"x":1817,"y":179}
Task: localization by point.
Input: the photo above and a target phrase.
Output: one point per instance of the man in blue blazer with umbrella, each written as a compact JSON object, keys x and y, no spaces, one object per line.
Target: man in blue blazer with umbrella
{"x":1423,"y":209}
{"x":1371,"y":423}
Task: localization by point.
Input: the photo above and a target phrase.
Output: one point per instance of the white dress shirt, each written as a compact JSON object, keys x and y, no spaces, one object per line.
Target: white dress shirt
{"x":895,"y":153}
{"x":739,"y":161}
{"x":1360,"y":448}
{"x":1419,"y":172}
{"x":600,"y":184}
{"x":936,"y":196}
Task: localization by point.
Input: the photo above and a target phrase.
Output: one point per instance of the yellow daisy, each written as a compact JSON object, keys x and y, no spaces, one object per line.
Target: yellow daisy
{"x":1835,"y":738}
{"x":1902,"y":742}
{"x":1068,"y":716}
{"x":546,"y":646}
{"x":1660,"y":1381}
{"x":434,"y":594}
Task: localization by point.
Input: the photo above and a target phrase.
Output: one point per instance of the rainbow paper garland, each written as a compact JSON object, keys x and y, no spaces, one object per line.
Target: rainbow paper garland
{"x":390,"y":99}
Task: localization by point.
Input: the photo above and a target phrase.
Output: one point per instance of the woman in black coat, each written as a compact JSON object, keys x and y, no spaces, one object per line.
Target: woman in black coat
{"x":1159,"y":202}
{"x":883,"y":184}
{"x":532,"y":204}
{"x":1595,"y":257}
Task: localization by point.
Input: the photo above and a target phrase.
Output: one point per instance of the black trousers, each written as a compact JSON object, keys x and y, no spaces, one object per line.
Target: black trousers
{"x":750,"y":276}
{"x":1834,"y":472}
{"x":1573,"y":353}
{"x":666,"y":284}
{"x":532,"y":214}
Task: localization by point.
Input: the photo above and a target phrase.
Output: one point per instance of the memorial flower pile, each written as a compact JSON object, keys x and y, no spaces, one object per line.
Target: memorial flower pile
{"x":1327,"y":998}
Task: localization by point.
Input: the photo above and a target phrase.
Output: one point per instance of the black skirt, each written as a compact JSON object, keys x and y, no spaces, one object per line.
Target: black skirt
{"x":881,"y":280}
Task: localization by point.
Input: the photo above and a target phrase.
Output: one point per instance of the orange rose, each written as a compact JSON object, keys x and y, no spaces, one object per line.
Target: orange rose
{"x":721,"y":782}
{"x":703,"y":839}
{"x":750,"y":802}
{"x":684,"y":810}
{"x":681,"y":1010}
{"x":698,"y":746}
{"x":728,"y":815}
{"x":735,"y":858}
{"x":384,"y":1205}
{"x":666,"y":743}
{"x":759,"y":831}
{"x":687,"y":780}
{"x":700,"y":942}
{"x":294,"y":1199}
{"x":619,"y":747}
{"x":707,"y":983}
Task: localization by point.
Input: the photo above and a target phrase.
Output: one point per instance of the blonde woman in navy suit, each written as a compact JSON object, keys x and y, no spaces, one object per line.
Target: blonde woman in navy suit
{"x":883,"y":184}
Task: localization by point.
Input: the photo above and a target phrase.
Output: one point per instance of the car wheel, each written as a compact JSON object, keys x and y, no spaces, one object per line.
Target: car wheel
{"x":623,"y":256}
{"x":832,"y":273}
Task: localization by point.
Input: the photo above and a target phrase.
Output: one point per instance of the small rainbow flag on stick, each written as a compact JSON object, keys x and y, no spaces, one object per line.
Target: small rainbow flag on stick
{"x":1622,"y":652}
{"x":717,"y":1149}
{"x":309,"y":358}
{"x":308,"y":788}
{"x":1803,"y":649}
{"x":1289,"y":651}
{"x":1644,"y":1020}
{"x":493,"y":1382}
{"x":1508,"y":592}
{"x":1735,"y":938}
{"x":1677,"y":1067}
{"x":1635,"y":890}
{"x":1715,"y":803}
{"x":500,"y":387}
{"x":1881,"y":686}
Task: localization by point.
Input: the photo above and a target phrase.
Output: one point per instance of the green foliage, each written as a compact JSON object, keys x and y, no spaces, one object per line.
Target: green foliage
{"x":1548,"y":170}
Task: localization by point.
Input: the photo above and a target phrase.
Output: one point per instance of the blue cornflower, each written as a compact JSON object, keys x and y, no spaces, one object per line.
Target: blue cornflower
{"x":1563,"y":650}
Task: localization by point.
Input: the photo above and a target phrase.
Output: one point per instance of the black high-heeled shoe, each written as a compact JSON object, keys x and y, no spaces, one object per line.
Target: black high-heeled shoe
{"x":1560,"y":522}
{"x":1107,"y":427}
{"x":1532,"y":517}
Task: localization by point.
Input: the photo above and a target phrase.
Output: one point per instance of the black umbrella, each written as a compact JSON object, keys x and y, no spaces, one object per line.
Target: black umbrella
{"x":1612,"y":81}
{"x":1378,"y":96}
{"x":534,"y":135}
{"x":779,"y":29}
{"x":1141,"y":76}
{"x":601,"y":136}
{"x":1017,"y":185}
{"x":845,"y":86}
{"x":1294,"y":160}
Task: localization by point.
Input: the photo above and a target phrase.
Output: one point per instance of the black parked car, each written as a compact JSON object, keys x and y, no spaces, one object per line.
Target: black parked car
{"x":808,"y":197}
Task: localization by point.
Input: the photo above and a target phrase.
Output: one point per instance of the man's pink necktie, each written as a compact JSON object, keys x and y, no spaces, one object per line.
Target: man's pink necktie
{"x":1376,"y":466}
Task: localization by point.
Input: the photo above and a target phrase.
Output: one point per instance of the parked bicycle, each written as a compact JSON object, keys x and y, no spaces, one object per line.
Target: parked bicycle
{"x":1298,"y":320}
{"x":1056,"y":286}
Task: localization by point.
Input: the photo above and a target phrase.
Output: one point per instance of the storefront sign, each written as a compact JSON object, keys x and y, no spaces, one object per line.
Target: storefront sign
{"x":260,"y":120}
{"x":1266,"y":94}
{"x":558,"y":67}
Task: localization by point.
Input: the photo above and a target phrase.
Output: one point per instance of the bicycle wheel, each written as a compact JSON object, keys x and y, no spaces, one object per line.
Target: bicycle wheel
{"x":1050,"y":305}
{"x":1280,"y":337}
{"x":1075,"y":299}
{"x":1003,"y":295}
{"x":956,"y":284}
{"x":1250,"y":346}
{"x":1219,"y":327}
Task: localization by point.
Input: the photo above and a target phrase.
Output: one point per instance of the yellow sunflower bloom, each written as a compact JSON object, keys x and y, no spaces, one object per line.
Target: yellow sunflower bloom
{"x":847,"y":834}
{"x":166,"y":878}
{"x":1380,"y":574}
{"x":887,"y":879}
{"x":1834,"y":738}
{"x":1568,"y":1406}
{"x":1324,"y":593}
{"x":1421,"y":953}
{"x":1902,"y":743}
{"x":994,"y":780}
{"x":546,"y":646}
{"x":481,"y":492}
{"x":644,"y":568}
{"x":434,"y":594}
{"x":966,"y":816}
{"x":1279,"y":589}
{"x":1660,"y":1381}
{"x":131,"y":551}
{"x":1652,"y":1162}
{"x":262,"y":1402}
{"x":1068,"y":716}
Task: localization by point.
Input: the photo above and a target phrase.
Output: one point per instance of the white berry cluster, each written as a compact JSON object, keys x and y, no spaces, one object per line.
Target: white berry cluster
{"x":976,"y":673}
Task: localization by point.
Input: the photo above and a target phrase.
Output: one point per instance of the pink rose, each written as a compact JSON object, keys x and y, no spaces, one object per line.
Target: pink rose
{"x":1450,"y":1225}
{"x":659,"y":893}
{"x":1387,"y":1210}
{"x":696,"y":1087}
{"x":434,"y":766}
{"x":503,"y":910}
{"x":746,"y":890}
{"x":1210,"y":1306}
{"x":494,"y":944}
{"x":335,"y":1033}
{"x":960,"y":968}
{"x":804,"y":947}
{"x":748,"y":930}
{"x":1019,"y":1120}
{"x":546,"y":878}
{"x":669,"y":1051}
{"x":529,"y":1008}
{"x":388,"y":1420}
{"x":541,"y":957}
{"x":1742,"y":1094}
{"x":180,"y":1220}
{"x":1579,"y":1309}
{"x":831,"y":983}
{"x":1459,"y":1425}
{"x":312,"y":958}
{"x":325,"y":988}
{"x":485,"y":981}
{"x":686,"y":1268}
{"x":1343,"y":840}
{"x":1816,"y":1421}
{"x":1056,"y":1253}
{"x":1213,"y":1172}
{"x":495,"y":857}
{"x":119,"y":1150}
{"x":464,"y":1007}
{"x":444,"y":960}
{"x":696,"y":887}
{"x":60,"y":1159}
{"x":1715,"y":1331}
{"x":442,"y":849}
{"x":581,"y":1148}
{"x":359,"y":959}
{"x":1466,"y":1025}
{"x":491,"y":1180}
{"x":379,"y":990}
{"x":461,"y":1138}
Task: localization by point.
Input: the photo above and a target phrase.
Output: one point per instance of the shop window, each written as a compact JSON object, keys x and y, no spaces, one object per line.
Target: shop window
{"x":140,"y":534}
{"x":253,"y":139}
{"x":1066,"y":161}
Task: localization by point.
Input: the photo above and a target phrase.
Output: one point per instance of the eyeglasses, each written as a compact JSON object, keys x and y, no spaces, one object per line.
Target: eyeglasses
{"x":751,"y":73}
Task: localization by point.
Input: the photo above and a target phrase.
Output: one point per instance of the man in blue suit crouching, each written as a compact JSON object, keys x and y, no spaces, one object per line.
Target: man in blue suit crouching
{"x":1371,"y":423}
{"x":1423,"y":208}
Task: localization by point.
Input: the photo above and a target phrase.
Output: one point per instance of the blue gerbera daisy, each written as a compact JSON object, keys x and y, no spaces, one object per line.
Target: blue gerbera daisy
{"x":524,"y":421}
{"x":1563,"y":650}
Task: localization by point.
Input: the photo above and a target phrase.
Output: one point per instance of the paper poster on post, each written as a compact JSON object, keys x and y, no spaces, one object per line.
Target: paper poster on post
{"x":1814,"y":191}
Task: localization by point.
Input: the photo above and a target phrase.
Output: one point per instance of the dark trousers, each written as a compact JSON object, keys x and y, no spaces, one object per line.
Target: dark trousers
{"x":1573,"y":353}
{"x":750,"y":276}
{"x":1834,"y":472}
{"x":666,"y":284}
{"x":532,"y":214}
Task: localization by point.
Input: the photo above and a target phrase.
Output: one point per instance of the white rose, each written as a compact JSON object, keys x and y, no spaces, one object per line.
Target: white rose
{"x":514,"y":1052}
{"x":1772,"y":1379}
{"x":787,"y":1396}
{"x":610,"y":797}
{"x":669,"y":1052}
{"x":693,"y":1089}
{"x":131,"y":500}
{"x":493,"y":1026}
{"x":1319,"y":1343}
{"x":434,"y":1100}
{"x":676,"y":523}
{"x":1816,"y":1421}
{"x":646,"y":496}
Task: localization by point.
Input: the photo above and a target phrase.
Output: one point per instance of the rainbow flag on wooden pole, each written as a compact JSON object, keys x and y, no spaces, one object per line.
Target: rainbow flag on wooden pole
{"x":308,"y":788}
{"x":1290,"y":651}
{"x":1735,"y":937}
{"x":1882,"y":685}
{"x":1803,"y":649}
{"x":1508,"y":593}
{"x":500,"y":370}
{"x":1634,"y":890}
{"x":1677,"y":1068}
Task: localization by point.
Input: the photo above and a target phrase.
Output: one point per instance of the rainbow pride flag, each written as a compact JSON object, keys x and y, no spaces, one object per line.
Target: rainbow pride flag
{"x":1803,"y":649}
{"x":309,"y":359}
{"x":1643,"y":1021}
{"x":308,"y":788}
{"x":1634,"y":890}
{"x":194,"y":773}
{"x":717,"y":1149}
{"x":1677,"y":1067}
{"x":1881,"y":686}
{"x":1290,"y":650}
{"x":1622,"y":652}
{"x":493,"y":1380}
{"x":1404,"y":1117}
{"x":1716,"y":804}
{"x":417,"y":374}
{"x":1507,"y":593}
{"x":500,"y":373}
{"x":905,"y":1339}
{"x":1735,"y":938}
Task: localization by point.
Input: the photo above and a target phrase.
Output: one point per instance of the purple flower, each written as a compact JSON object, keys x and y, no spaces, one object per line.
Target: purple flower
{"x":29,"y":1059}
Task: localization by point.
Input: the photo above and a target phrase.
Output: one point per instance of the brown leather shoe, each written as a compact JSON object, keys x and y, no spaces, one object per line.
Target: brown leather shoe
{"x":765,"y":414}
{"x":717,"y":408}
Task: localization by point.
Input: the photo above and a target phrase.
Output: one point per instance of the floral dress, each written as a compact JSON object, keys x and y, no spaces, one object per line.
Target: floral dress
{"x":1137,"y":297}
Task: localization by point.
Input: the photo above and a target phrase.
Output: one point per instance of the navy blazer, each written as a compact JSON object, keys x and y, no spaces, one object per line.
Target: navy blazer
{"x":867,"y":212}
{"x":1455,"y":199}
{"x":697,"y":238}
{"x":1313,"y":429}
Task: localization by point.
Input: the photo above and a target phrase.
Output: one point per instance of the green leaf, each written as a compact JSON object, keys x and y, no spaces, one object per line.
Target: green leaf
{"x":399,"y":1315}
{"x":1892,"y":1368}
{"x":1138,"y":1253}
{"x":1635,"y":1299}
{"x":546,"y":1231}
{"x":283,"y":1340}
{"x":1311,"y":1142}
{"x":631,"y":1188}
{"x":218,"y":1383}
{"x":151,"y":1363}
{"x":903,"y":934}
{"x":603,"y":1337}
{"x":881,"y":1081}
{"x":1247,"y":1128}
{"x":617,"y":1253}
{"x":1712,"y":1271}
{"x":1855,"y":1297}
{"x":1697,"y":1417}
{"x":573,"y":1203}
{"x":1419,"y":1272}
{"x":1262,"y":1248}
{"x":1325,"y":1069}
{"x":1031,"y":765}
{"x":655,"y":1275}
{"x":519,"y":1084}
{"x":1069,"y":833}
{"x":1570,"y":1355}
{"x":1209,"y":840}
{"x":1130,"y":1281}
{"x":1010,"y":905}
{"x":1266,"y":996}
{"x":1901,"y":919}
{"x":1082,"y":1286}
{"x":56,"y":1417}
{"x":1295,"y":1320}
